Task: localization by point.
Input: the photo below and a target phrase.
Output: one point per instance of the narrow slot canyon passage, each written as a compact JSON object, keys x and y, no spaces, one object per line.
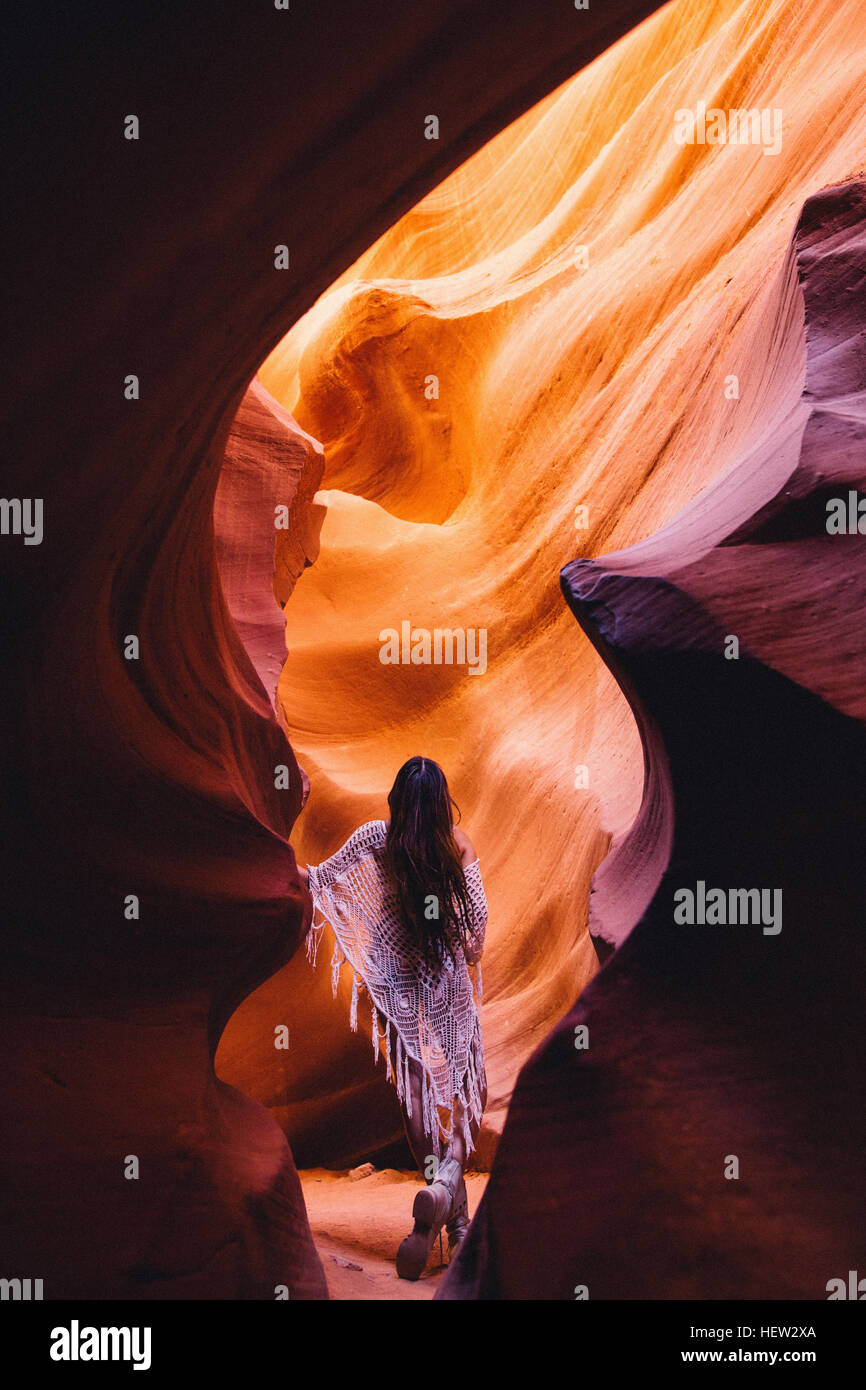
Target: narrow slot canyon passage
{"x":410,"y":510}
{"x":485,"y":394}
{"x":305,"y":377}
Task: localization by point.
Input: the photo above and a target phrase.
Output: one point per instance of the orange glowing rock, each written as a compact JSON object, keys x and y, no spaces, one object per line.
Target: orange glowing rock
{"x":549,"y":356}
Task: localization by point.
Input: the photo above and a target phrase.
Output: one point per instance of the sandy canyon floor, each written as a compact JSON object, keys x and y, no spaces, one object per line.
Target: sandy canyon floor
{"x":358,"y":1223}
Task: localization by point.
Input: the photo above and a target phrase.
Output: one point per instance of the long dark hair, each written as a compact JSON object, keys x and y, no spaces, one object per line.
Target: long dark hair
{"x":426,"y":862}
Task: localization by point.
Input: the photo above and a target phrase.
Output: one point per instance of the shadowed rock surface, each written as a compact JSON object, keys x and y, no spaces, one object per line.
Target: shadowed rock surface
{"x":152,"y":777}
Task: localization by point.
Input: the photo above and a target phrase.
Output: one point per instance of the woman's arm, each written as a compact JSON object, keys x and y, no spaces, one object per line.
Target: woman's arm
{"x":366,"y":837}
{"x":465,"y":846}
{"x":477,"y":913}
{"x":475,"y":893}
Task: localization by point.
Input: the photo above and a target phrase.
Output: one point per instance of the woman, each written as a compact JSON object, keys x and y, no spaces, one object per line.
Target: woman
{"x":407,"y":906}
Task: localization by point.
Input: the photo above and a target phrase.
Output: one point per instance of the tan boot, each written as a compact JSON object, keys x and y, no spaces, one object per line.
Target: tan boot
{"x":431,"y":1209}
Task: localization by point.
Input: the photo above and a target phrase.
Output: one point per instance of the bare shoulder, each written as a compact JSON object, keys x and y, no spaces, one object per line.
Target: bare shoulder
{"x":465,"y":845}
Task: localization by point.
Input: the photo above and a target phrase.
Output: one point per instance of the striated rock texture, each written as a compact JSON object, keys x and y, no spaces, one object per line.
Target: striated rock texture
{"x":153,"y":776}
{"x":266,"y":524}
{"x":708,"y":1042}
{"x":586,"y":313}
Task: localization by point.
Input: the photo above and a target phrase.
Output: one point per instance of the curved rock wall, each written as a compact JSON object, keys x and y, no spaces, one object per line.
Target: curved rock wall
{"x":613,"y":320}
{"x":715,"y":1044}
{"x":152,"y":776}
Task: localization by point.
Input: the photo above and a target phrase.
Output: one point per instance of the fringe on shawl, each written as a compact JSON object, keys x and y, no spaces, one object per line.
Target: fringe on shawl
{"x":477,"y":980}
{"x":314,"y":936}
{"x":398,"y":1072}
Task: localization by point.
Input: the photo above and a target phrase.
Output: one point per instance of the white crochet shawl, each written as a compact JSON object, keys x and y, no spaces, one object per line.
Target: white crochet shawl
{"x":433,"y":1012}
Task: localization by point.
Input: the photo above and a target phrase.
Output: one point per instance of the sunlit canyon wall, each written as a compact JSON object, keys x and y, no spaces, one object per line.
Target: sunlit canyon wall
{"x":614,"y":321}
